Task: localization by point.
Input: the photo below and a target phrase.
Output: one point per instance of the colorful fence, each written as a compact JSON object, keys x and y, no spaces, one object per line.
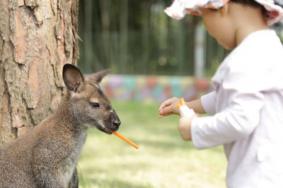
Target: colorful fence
{"x":152,"y":88}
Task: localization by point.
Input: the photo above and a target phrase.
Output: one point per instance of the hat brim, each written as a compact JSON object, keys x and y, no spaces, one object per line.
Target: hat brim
{"x":179,"y":8}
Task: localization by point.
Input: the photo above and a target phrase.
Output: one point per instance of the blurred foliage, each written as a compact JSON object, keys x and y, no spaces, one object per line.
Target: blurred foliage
{"x":136,"y":37}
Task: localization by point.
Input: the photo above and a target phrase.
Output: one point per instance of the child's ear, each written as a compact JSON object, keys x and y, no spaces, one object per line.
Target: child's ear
{"x":73,"y":78}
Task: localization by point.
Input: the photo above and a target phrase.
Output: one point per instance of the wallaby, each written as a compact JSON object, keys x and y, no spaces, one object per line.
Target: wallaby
{"x":47,"y":156}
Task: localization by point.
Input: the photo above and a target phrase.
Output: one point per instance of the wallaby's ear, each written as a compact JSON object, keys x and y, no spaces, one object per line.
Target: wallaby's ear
{"x":73,"y":78}
{"x":98,"y":76}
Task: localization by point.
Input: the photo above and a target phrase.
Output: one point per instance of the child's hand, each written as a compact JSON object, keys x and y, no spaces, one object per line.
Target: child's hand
{"x":185,"y":127}
{"x":169,"y":107}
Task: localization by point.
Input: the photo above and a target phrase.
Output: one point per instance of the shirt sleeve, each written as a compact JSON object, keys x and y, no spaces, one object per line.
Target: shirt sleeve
{"x":208,"y":102}
{"x":242,"y":100}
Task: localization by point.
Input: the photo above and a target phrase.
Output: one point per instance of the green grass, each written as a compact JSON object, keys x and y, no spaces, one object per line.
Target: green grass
{"x":163,"y":160}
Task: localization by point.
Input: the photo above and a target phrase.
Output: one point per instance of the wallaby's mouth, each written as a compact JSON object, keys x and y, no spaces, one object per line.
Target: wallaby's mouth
{"x":108,"y":129}
{"x":105,"y":130}
{"x":112,"y":123}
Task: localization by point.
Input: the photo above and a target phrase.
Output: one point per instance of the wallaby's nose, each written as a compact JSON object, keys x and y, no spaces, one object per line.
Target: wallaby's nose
{"x":115,"y":121}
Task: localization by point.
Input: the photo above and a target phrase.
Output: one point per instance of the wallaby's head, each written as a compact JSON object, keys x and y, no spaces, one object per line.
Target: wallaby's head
{"x":87,"y":102}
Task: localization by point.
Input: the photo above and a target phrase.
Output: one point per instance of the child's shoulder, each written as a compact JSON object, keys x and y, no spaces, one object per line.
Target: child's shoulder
{"x":258,"y":51}
{"x":260,"y":40}
{"x":258,"y":45}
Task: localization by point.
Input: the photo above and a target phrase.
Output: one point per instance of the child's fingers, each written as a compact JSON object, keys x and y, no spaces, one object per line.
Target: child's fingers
{"x":164,"y":104}
{"x":167,"y":103}
{"x":166,"y":111}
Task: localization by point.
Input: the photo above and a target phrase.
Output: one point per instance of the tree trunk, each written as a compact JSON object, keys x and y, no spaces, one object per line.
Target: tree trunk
{"x":37,"y":37}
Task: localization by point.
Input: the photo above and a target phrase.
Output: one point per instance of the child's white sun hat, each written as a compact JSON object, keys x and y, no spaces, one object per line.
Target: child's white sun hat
{"x":180,"y":8}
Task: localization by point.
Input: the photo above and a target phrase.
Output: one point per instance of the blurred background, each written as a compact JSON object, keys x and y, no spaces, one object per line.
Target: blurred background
{"x":136,"y":37}
{"x":151,"y":58}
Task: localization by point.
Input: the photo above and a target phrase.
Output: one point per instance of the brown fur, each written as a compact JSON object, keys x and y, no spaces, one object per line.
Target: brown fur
{"x":47,"y":157}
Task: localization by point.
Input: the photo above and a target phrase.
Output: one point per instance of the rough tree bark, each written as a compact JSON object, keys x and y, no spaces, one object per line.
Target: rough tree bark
{"x":37,"y":37}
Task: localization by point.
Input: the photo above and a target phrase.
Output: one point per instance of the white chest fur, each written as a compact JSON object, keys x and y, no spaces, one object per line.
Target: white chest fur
{"x":68,"y":165}
{"x":66,"y":172}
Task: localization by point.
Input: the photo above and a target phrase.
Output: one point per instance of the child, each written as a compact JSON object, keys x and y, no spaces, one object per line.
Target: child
{"x":246,"y":106}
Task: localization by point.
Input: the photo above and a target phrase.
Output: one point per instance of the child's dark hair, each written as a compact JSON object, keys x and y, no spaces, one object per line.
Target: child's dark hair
{"x":252,"y":3}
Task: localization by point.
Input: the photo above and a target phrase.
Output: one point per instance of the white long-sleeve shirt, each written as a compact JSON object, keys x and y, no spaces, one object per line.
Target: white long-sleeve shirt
{"x":246,"y":113}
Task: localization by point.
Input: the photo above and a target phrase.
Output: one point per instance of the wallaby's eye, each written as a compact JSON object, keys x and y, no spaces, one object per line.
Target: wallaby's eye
{"x":95,"y":104}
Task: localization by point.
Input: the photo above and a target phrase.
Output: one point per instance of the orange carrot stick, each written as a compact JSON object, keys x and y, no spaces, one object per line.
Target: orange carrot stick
{"x":126,"y":139}
{"x":180,"y":102}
